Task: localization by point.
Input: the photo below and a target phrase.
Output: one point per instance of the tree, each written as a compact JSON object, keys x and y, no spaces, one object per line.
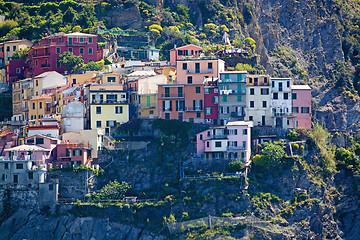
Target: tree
{"x":251,"y":43}
{"x":94,"y":66}
{"x":271,"y":156}
{"x":70,"y":61}
{"x":114,"y":190}
{"x":244,"y":67}
{"x":20,"y":54}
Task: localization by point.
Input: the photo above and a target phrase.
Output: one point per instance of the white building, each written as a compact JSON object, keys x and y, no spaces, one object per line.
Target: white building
{"x":73,"y":116}
{"x":281,"y":103}
{"x":48,"y":80}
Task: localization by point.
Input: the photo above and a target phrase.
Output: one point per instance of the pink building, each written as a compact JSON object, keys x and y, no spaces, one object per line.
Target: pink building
{"x":301,"y":105}
{"x":188,"y":51}
{"x":211,"y":101}
{"x":73,"y":155}
{"x":181,"y":101}
{"x":45,"y":142}
{"x":44,"y":55}
{"x":232,"y":141}
{"x":196,"y":70}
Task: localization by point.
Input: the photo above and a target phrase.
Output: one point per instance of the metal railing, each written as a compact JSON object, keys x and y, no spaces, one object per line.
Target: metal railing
{"x":237,"y":148}
{"x":232,"y":92}
{"x":194,"y":109}
{"x":199,"y":71}
{"x":45,"y":65}
{"x":282,"y":114}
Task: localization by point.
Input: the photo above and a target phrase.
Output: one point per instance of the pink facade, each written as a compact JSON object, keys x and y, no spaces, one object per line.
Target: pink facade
{"x":232,"y":141}
{"x":73,"y":155}
{"x":187,"y":51}
{"x":44,"y":55}
{"x":196,"y":70}
{"x":25,"y":153}
{"x":184,"y":102}
{"x":211,"y":102}
{"x":45,"y":142}
{"x":301,"y":105}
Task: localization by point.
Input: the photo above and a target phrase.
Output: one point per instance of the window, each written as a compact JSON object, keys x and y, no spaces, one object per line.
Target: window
{"x":18,"y":70}
{"x":36,"y":63}
{"x":286,"y":96}
{"x":201,"y":137}
{"x":244,"y":131}
{"x":4,"y":177}
{"x":280,"y":86}
{"x":81,"y":50}
{"x":39,"y":140}
{"x":288,"y":84}
{"x":167,"y":116}
{"x":40,"y":105}
{"x":90,"y":40}
{"x":207,"y":144}
{"x":19,"y":166}
{"x":275,"y":96}
{"x":118,"y":109}
{"x":111,"y":79}
{"x":251,"y":118}
{"x":14,"y":48}
{"x":31,"y":175}
{"x":8,"y":48}
{"x":294,"y":96}
{"x":81,"y":39}
{"x":33,"y":106}
{"x":197,"y":67}
{"x":198,"y":115}
{"x":167,"y":106}
{"x":252,"y":91}
{"x":265,"y":79}
{"x":305,"y":109}
{"x":58,"y":63}
{"x":58,"y":50}
{"x":1,"y":49}
{"x":6,"y":165}
{"x":244,"y":144}
{"x":264,"y":104}
{"x":189,"y":79}
{"x":98,"y":124}
{"x":98,"y":110}
{"x":90,"y":51}
{"x":210,"y":66}
{"x":51,"y":187}
{"x":295,"y":109}
{"x":239,"y":98}
{"x":217,"y":144}
{"x":252,"y":104}
{"x":225,"y":99}
{"x":70,"y":49}
{"x":208,"y":111}
{"x":250,"y":80}
{"x":16,"y":178}
{"x":264,"y":91}
{"x":184,"y":66}
{"x":111,"y":123}
{"x":197,"y":90}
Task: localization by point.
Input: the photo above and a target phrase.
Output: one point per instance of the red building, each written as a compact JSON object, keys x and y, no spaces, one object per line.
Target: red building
{"x":73,"y":155}
{"x":211,"y":101}
{"x":44,"y":55}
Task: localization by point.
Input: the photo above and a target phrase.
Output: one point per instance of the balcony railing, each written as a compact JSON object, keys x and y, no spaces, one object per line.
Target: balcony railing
{"x":45,"y":65}
{"x":176,"y":95}
{"x":194,"y":109}
{"x":232,"y":92}
{"x":236,"y":148}
{"x":190,"y":71}
{"x":218,"y":136}
{"x":108,"y":101}
{"x":231,"y":81}
{"x":77,"y":44}
{"x":236,"y":114}
{"x":282,"y":114}
{"x":148,"y":106}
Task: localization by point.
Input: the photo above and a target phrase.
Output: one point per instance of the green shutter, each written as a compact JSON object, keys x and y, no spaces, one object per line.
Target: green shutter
{"x":148,"y":101}
{"x":224,"y":98}
{"x":239,"y":77}
{"x":239,"y":88}
{"x":211,"y":110}
{"x":213,"y":99}
{"x":226,"y":76}
{"x":239,"y":98}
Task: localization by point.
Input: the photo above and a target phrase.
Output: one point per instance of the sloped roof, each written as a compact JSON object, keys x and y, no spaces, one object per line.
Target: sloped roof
{"x":26,"y":147}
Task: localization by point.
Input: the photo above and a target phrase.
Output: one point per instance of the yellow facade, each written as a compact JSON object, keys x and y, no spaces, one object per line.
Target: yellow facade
{"x":111,"y":78}
{"x":147,"y":106}
{"x":108,"y":106}
{"x":39,"y":107}
{"x":81,"y":79}
{"x":169,"y":72}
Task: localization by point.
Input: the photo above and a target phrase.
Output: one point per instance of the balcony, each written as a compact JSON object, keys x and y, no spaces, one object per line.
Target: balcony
{"x":231,"y":81}
{"x":176,"y":95}
{"x":25,"y":109}
{"x":125,"y":101}
{"x":194,"y":109}
{"x":198,"y":71}
{"x":218,"y":136}
{"x":45,"y":65}
{"x":236,"y":148}
{"x":232,"y":92}
{"x":41,"y":55}
{"x":282,"y":114}
{"x":237,"y":114}
{"x":148,"y":106}
{"x":77,"y":44}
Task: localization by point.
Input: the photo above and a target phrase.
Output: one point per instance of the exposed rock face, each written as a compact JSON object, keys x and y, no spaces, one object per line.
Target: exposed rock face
{"x":25,"y":224}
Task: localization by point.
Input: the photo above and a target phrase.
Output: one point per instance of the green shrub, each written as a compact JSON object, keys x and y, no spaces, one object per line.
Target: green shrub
{"x":235,"y":166}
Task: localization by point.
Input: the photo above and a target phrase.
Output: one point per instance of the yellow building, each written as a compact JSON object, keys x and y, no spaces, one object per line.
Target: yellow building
{"x":81,"y":79}
{"x":39,"y":107}
{"x":8,"y":48}
{"x":147,"y":106}
{"x":169,"y":72}
{"x":111,"y":78}
{"x":109,"y":106}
